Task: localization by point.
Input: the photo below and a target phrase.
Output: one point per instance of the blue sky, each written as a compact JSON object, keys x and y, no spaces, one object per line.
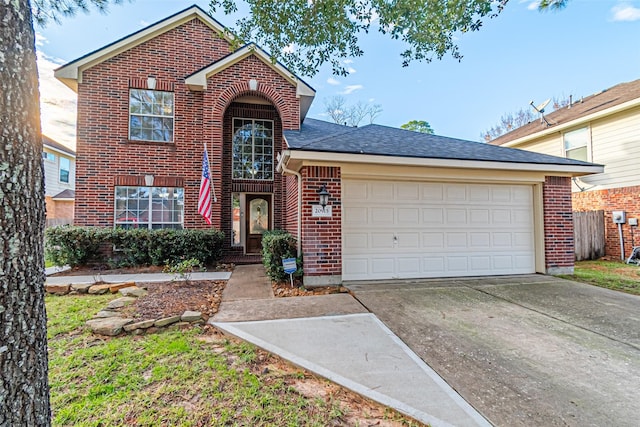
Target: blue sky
{"x":520,"y":56}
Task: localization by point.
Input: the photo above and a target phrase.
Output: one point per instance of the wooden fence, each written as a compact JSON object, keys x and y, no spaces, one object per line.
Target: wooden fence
{"x":588,"y":234}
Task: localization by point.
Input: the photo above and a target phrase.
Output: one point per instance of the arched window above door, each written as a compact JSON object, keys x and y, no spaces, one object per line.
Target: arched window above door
{"x":252,"y":149}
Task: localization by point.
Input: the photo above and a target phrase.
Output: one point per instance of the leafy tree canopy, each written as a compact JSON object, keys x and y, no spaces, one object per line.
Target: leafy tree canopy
{"x":305,"y":34}
{"x":418,"y":126}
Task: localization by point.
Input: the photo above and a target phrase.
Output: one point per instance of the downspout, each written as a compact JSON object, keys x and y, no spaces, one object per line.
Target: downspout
{"x":284,"y":171}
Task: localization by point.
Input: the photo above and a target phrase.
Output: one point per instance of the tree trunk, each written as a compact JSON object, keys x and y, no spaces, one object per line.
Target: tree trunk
{"x":24,"y":390}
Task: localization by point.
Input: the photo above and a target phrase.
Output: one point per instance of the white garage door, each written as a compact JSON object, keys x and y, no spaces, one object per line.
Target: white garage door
{"x":418,"y":230}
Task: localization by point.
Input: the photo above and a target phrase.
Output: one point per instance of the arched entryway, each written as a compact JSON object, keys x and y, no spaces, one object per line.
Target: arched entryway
{"x":252,"y":190}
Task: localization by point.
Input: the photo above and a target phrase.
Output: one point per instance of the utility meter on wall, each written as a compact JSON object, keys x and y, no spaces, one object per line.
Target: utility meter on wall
{"x":618,"y":217}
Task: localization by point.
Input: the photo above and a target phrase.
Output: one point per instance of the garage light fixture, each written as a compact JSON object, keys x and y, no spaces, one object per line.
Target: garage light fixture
{"x":323,"y":195}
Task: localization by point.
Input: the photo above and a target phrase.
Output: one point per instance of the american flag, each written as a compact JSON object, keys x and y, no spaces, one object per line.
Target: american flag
{"x":204,"y":198}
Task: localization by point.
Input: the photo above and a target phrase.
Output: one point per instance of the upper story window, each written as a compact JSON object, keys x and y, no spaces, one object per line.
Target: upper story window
{"x":576,"y":144}
{"x":149,"y":207}
{"x":252,"y":149}
{"x":65,"y":167}
{"x":150,"y":115}
{"x":49,"y":156}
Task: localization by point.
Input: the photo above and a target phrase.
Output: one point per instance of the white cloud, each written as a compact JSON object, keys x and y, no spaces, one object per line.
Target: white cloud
{"x":144,"y":23}
{"x":348,"y":61}
{"x":371,"y":99}
{"x":289,"y":49}
{"x":533,"y":5}
{"x":58,"y":103}
{"x":625,"y":12}
{"x":332,"y":81}
{"x":351,"y":70}
{"x":350,"y":89}
{"x":41,"y":40}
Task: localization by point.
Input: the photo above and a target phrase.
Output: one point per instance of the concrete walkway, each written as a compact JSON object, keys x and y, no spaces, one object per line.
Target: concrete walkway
{"x":116,"y":278}
{"x":333,"y":336}
{"x":336,"y":337}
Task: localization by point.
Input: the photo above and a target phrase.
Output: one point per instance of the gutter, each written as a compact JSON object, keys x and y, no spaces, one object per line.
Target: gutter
{"x":282,"y":158}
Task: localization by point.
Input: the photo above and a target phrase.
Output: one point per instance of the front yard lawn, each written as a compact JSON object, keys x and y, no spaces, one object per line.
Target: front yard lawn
{"x":614,"y":275}
{"x":193,"y":377}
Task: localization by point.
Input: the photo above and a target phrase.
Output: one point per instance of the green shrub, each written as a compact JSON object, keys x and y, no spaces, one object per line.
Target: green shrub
{"x":74,"y":246}
{"x":174,"y":246}
{"x":277,"y":245}
{"x":131,"y":247}
{"x":77,"y":246}
{"x":183,"y":269}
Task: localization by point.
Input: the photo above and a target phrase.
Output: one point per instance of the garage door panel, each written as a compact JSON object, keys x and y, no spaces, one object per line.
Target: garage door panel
{"x":480,"y":193}
{"x":383,"y":216}
{"x":456,"y":240}
{"x":433,"y":264}
{"x":355,"y":216}
{"x":356,"y":191}
{"x":479,"y":217}
{"x":455,"y":216}
{"x":455,"y":192}
{"x":408,"y":266}
{"x":382,"y":265}
{"x":356,"y":241}
{"x":437,"y":230}
{"x":407,"y":241}
{"x":382,"y":240}
{"x":480,"y":240}
{"x":434,"y":216}
{"x":382,"y":191}
{"x":432,"y":192}
{"x":480,"y":263}
{"x":433,"y":241}
{"x":409,"y":216}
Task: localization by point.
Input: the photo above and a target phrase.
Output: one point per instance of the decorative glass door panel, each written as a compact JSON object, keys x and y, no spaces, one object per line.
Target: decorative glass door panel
{"x":258,"y":220}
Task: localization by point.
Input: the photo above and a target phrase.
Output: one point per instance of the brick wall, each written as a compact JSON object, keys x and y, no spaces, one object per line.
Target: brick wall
{"x":558,"y":225}
{"x":105,"y":154}
{"x":321,"y":237}
{"x":619,"y":199}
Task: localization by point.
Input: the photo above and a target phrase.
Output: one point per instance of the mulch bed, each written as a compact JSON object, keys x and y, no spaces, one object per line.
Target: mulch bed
{"x":173,"y":298}
{"x":284,"y":289}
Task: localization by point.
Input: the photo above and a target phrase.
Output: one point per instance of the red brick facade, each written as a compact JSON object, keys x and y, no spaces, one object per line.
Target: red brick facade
{"x":614,"y":199}
{"x":107,"y":158}
{"x":558,"y":225}
{"x":321,"y":237}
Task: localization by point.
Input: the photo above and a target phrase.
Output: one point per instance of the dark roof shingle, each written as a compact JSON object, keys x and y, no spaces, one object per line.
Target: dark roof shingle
{"x":316,"y":135}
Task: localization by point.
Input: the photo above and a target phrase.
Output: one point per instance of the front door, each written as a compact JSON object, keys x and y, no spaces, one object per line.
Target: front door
{"x":258,"y":220}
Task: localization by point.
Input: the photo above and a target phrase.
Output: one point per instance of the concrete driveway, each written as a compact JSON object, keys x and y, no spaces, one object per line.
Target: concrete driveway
{"x":523,"y":350}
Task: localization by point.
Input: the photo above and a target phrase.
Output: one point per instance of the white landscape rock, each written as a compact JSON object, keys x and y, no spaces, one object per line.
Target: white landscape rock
{"x":191,"y":316}
{"x":103,"y":314}
{"x":133,"y":291}
{"x":110,"y":326}
{"x":120,"y":302}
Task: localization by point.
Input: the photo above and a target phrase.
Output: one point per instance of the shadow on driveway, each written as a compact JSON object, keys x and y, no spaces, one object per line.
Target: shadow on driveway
{"x":523,"y":350}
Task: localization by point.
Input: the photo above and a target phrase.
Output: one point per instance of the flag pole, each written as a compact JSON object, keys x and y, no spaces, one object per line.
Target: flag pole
{"x":213,"y":188}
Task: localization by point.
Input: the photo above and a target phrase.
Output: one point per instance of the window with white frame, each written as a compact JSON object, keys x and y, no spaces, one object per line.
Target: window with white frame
{"x":252,"y":149}
{"x":64,"y":168}
{"x":576,"y":144}
{"x":150,"y":115}
{"x":49,"y":156}
{"x":149,"y":207}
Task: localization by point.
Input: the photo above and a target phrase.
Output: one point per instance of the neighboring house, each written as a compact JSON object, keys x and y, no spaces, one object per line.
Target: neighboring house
{"x":603,"y":128}
{"x":59,"y":181}
{"x":400,"y":204}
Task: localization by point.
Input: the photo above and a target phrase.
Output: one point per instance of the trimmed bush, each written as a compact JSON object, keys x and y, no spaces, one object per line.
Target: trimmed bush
{"x":77,"y":246}
{"x":74,"y":246}
{"x":277,"y":245}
